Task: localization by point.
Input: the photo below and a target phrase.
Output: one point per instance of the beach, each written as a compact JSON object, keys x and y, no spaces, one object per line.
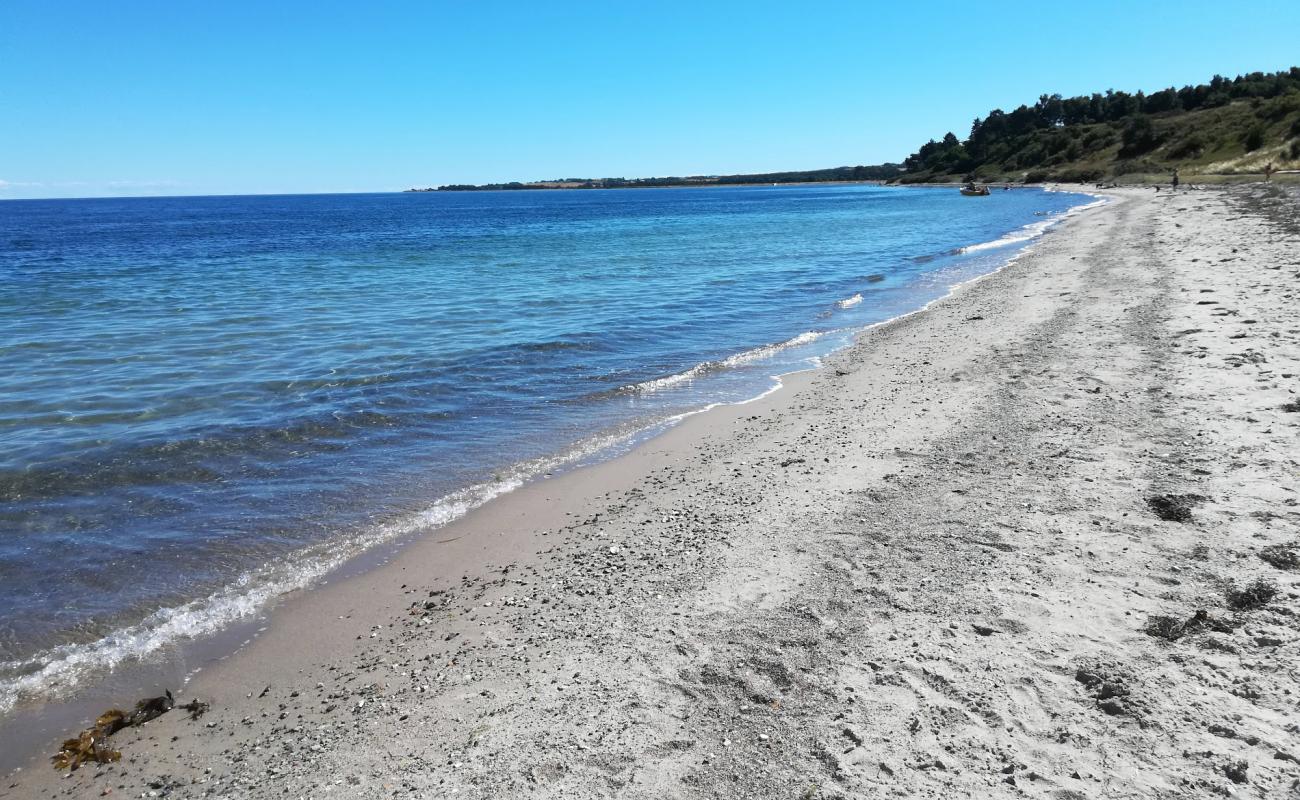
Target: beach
{"x":930,"y":567}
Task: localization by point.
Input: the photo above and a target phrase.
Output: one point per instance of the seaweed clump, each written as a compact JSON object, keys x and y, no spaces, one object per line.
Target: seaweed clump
{"x":1282,"y":556}
{"x":1174,"y":507}
{"x":92,"y":744}
{"x":1173,"y":628}
{"x":1254,"y":595}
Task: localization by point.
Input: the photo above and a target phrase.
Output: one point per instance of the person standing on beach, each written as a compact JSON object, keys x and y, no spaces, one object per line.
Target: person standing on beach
{"x":1268,"y":171}
{"x":1175,"y":180}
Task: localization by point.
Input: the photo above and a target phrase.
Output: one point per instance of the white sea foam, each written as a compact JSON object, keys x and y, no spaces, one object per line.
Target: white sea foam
{"x":1028,"y":232}
{"x":45,"y":675}
{"x":850,"y":302}
{"x":739,"y":359}
{"x":760,"y":353}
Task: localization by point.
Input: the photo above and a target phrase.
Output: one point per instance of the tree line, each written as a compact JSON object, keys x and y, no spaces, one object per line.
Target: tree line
{"x":998,"y":136}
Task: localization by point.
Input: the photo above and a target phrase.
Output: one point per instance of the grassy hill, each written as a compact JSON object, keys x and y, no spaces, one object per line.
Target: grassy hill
{"x":1222,"y":128}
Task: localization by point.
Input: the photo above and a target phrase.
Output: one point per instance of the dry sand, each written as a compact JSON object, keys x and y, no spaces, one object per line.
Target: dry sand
{"x":926,"y":569}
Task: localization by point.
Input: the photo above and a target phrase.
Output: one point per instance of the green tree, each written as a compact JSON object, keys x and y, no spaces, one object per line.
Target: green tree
{"x":1139,"y":136}
{"x":1254,"y":138}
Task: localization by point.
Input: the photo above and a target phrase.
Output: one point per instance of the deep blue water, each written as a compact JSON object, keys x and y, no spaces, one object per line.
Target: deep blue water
{"x":195,"y":388}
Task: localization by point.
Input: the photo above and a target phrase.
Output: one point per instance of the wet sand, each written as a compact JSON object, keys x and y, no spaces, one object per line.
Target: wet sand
{"x":926,"y":569}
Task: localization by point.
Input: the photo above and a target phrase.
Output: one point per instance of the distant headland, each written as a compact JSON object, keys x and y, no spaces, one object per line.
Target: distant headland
{"x":881,"y":172}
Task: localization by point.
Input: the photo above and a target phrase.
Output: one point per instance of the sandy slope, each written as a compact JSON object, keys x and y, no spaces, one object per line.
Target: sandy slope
{"x":924,"y":570}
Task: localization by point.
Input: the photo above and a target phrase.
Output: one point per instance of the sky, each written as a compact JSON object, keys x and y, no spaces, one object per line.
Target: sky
{"x":146,"y":97}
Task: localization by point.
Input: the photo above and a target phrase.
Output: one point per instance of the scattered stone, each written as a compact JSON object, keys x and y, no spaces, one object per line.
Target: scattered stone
{"x":1107,"y":687}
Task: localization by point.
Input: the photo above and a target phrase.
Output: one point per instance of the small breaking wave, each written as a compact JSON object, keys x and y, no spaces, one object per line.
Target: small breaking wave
{"x":1025,"y":234}
{"x":45,"y":675}
{"x":850,"y":302}
{"x":708,"y":367}
{"x":1028,"y":232}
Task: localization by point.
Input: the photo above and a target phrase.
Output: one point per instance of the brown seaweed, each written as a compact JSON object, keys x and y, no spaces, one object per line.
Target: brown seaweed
{"x":92,"y":744}
{"x":195,"y":708}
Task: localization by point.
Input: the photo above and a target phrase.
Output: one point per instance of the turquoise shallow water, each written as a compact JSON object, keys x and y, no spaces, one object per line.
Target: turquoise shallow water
{"x":208,"y":401}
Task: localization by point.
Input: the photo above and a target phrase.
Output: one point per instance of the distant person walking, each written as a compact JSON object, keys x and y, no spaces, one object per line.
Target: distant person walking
{"x":1268,"y":171}
{"x":1175,"y":181}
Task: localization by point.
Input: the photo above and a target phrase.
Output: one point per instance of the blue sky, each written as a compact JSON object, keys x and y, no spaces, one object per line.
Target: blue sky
{"x":201,"y":97}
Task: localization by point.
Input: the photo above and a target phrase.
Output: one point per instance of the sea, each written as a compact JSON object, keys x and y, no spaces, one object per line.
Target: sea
{"x":207,"y":402}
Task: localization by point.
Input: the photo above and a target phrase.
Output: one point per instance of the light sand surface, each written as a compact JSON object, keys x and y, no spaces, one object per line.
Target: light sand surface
{"x":923,"y":570}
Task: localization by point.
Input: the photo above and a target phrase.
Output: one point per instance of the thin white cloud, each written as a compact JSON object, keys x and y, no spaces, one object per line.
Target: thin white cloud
{"x":143,"y":184}
{"x":87,"y":188}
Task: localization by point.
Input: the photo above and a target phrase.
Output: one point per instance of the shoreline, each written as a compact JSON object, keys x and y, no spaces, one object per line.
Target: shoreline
{"x":230,"y":632}
{"x":211,"y":650}
{"x":593,"y":556}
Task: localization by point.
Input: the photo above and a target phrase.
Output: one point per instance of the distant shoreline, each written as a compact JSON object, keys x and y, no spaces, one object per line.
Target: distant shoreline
{"x":878,"y":173}
{"x":873,"y":182}
{"x":531,"y":187}
{"x":1286,"y":177}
